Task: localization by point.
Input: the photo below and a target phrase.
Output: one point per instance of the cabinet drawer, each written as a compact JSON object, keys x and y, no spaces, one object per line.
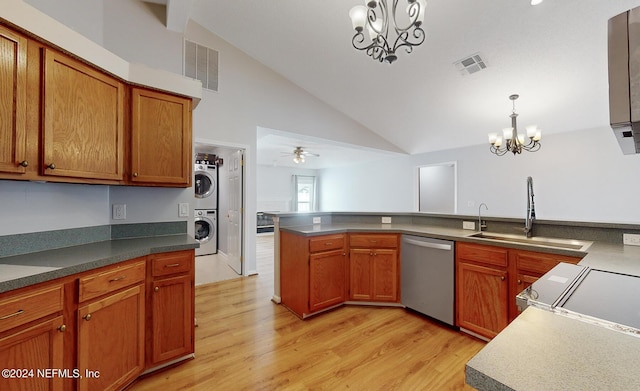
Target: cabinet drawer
{"x":23,"y":308}
{"x":326,"y":243}
{"x":373,"y":240}
{"x":481,"y":253}
{"x":540,"y":262}
{"x":171,"y":263}
{"x":111,"y":280}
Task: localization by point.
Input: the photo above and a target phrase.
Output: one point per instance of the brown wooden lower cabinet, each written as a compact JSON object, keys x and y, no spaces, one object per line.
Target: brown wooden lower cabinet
{"x":488,"y":278}
{"x":111,"y":340}
{"x":374,"y":267}
{"x":29,"y":353}
{"x":312,"y":272}
{"x":99,"y":330}
{"x":170,"y":323}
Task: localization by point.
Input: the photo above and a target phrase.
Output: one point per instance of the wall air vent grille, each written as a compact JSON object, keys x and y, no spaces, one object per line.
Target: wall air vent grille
{"x":470,"y":64}
{"x":201,"y":62}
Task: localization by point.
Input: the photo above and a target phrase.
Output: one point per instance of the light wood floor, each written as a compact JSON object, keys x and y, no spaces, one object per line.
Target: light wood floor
{"x":246,"y":342}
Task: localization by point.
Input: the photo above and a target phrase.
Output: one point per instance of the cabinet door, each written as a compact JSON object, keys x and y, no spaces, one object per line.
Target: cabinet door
{"x":160,"y":138}
{"x":82,"y":120}
{"x":360,"y":274}
{"x":385,"y":275}
{"x":37,"y":348}
{"x":481,"y":299}
{"x":111,"y":340}
{"x":326,"y":279}
{"x":13,"y":101}
{"x":172,"y":318}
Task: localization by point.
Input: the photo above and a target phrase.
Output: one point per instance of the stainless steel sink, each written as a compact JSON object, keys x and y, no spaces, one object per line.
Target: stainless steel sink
{"x":580,"y":245}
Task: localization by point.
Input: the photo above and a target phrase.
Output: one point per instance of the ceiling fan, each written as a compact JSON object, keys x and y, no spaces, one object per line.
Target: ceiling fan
{"x":299,"y":155}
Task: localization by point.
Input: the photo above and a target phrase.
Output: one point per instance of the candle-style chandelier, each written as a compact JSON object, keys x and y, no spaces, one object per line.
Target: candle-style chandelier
{"x":514,"y":142}
{"x":378,"y":19}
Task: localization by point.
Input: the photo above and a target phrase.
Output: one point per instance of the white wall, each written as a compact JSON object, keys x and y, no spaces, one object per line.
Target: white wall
{"x":577,"y":176}
{"x":84,"y":17}
{"x":274,"y":186}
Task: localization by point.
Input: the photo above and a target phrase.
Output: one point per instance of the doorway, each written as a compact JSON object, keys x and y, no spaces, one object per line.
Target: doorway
{"x":230,"y":206}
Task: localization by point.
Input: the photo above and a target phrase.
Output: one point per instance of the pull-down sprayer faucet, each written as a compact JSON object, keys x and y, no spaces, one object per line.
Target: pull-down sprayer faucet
{"x":531,"y":209}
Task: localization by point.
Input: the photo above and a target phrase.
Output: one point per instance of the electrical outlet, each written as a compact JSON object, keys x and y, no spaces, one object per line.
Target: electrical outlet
{"x":469,"y":225}
{"x":317,"y":220}
{"x":631,"y":239}
{"x":183,"y":209}
{"x":386,"y":220}
{"x":119,"y":212}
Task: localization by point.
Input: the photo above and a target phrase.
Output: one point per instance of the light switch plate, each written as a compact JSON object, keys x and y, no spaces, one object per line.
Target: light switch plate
{"x":469,"y":225}
{"x":386,"y":220}
{"x":119,"y":212}
{"x":183,"y":209}
{"x":317,"y":220}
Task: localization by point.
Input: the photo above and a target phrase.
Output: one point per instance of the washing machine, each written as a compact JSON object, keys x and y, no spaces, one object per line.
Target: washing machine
{"x":206,"y":231}
{"x":205,"y":185}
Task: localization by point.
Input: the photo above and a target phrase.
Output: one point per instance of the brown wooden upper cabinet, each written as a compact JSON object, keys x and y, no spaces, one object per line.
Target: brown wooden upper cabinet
{"x":13,"y":101}
{"x":83,"y":125}
{"x":160,"y":138}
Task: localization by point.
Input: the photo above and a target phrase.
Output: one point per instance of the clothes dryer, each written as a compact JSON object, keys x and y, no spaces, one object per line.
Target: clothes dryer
{"x":206,"y":231}
{"x":205,"y":186}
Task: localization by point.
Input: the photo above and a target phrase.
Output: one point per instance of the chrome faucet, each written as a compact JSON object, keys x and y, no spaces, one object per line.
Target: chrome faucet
{"x":480,"y":225}
{"x":531,"y":209}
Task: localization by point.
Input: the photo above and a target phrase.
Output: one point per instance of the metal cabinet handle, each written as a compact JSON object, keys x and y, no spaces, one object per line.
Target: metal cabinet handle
{"x":502,"y":278}
{"x":117,"y":279}
{"x":519,"y":282}
{"x":62,"y":328}
{"x":135,"y":174}
{"x":373,"y":241}
{"x":328,"y":243}
{"x":24,"y":163}
{"x":172,"y":265}
{"x":12,"y":315}
{"x":87,"y":317}
{"x":156,"y":289}
{"x":51,"y":166}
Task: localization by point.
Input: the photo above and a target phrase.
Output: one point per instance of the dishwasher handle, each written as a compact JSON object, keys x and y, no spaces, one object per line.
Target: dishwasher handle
{"x":437,"y":246}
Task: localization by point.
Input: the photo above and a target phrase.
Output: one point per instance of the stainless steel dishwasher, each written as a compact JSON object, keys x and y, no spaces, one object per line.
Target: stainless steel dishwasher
{"x":428,"y":277}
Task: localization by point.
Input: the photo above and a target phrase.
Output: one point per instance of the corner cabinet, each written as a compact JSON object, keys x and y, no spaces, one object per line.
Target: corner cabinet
{"x":160,"y":139}
{"x":373,"y":267}
{"x":82,"y":124}
{"x":13,"y":98}
{"x":312,"y":272}
{"x":171,"y":298}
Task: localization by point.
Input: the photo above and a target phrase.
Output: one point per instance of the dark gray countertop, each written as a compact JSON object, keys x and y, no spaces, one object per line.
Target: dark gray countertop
{"x":607,"y":256}
{"x":28,"y":269}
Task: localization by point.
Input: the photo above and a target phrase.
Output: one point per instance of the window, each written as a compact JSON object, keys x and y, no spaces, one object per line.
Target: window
{"x":304,"y":193}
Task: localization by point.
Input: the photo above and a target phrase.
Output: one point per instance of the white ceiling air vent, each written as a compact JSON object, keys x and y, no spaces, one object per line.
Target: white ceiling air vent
{"x":471,"y":64}
{"x":201,"y":62}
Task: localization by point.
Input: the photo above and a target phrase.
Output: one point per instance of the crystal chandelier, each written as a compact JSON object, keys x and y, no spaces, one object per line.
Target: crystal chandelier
{"x":377,"y":18}
{"x":514,"y":142}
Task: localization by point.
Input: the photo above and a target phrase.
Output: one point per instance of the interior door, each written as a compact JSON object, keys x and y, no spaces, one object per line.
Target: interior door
{"x":234,"y":214}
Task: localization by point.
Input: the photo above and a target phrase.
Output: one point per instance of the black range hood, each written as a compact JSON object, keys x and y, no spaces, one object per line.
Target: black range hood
{"x":624,"y":79}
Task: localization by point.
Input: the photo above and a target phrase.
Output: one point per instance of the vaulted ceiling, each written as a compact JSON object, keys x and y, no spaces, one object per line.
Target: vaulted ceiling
{"x":554,"y":55}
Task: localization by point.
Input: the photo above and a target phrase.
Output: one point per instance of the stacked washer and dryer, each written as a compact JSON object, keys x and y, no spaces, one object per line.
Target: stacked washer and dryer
{"x":206,"y":203}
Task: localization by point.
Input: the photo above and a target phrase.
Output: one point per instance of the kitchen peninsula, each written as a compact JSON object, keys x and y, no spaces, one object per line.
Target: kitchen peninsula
{"x":570,"y":353}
